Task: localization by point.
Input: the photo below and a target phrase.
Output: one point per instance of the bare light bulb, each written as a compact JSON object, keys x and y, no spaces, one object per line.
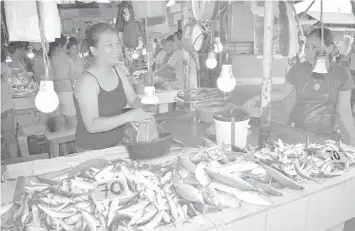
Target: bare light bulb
{"x":218,"y":47}
{"x":170,"y":3}
{"x":8,"y":59}
{"x":144,"y":51}
{"x":46,"y":99}
{"x":226,"y":81}
{"x":211,"y":61}
{"x":135,"y":55}
{"x":30,"y":54}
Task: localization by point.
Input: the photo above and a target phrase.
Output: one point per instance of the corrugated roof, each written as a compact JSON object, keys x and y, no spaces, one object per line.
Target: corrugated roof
{"x":334,"y":18}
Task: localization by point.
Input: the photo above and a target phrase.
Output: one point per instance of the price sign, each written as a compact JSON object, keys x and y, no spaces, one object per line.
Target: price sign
{"x":215,"y":153}
{"x":109,"y":190}
{"x":336,"y":156}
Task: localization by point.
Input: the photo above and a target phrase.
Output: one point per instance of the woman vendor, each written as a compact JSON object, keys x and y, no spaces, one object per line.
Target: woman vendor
{"x":20,"y":65}
{"x":319,"y":97}
{"x":102,"y":92}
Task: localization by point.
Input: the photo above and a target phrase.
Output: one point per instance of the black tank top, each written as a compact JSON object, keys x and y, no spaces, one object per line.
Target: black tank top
{"x":110,"y":103}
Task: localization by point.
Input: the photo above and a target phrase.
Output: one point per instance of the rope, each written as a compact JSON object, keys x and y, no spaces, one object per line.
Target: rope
{"x":321,"y":21}
{"x":44,"y":49}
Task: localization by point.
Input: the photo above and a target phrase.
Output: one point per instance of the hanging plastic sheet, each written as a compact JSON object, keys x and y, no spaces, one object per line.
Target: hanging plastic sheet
{"x":22,"y":21}
{"x":149,"y":9}
{"x":50,"y":20}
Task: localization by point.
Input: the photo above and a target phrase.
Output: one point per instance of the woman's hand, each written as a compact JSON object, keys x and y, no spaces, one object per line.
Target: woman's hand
{"x":138,"y":115}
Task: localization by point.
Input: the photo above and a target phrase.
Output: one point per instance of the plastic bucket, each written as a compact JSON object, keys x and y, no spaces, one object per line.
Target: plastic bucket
{"x":223,"y":129}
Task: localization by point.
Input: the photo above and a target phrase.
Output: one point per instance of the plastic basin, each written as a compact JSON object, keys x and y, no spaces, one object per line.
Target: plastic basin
{"x":150,"y":150}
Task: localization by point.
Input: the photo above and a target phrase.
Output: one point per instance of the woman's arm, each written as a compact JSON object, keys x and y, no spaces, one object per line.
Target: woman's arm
{"x":344,"y":111}
{"x":133,"y":100}
{"x":86,"y":92}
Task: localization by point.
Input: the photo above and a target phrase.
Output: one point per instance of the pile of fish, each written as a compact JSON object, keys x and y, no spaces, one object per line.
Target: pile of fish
{"x":174,"y":192}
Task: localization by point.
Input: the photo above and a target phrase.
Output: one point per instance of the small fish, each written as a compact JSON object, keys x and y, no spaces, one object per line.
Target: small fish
{"x":231,"y":180}
{"x":201,"y":174}
{"x":281,"y":178}
{"x":304,"y":176}
{"x":189,"y":193}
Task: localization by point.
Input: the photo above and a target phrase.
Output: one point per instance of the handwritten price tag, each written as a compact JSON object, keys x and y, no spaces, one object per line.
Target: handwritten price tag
{"x":109,"y":190}
{"x":336,"y":156}
{"x":215,"y":153}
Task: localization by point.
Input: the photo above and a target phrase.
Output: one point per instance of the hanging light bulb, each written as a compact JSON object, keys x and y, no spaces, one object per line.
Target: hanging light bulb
{"x":170,"y":3}
{"x":226,"y":81}
{"x":218,"y":47}
{"x":8,"y":59}
{"x":30,"y":53}
{"x":135,"y":55}
{"x":211,"y":61}
{"x":322,"y":64}
{"x":46,"y":99}
{"x":144,"y":51}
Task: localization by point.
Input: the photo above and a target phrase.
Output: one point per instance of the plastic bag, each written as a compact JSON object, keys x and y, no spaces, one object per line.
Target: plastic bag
{"x":50,"y":20}
{"x":149,"y":9}
{"x":22,"y":21}
{"x":147,"y":132}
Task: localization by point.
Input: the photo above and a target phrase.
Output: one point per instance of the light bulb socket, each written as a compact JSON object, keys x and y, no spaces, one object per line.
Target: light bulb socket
{"x":227,"y":71}
{"x":226,"y":58}
{"x":211,"y":55}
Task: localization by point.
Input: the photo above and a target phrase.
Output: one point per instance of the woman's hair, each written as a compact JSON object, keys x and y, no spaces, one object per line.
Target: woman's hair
{"x":170,"y":38}
{"x":57,"y":42}
{"x":327,"y":35}
{"x":72,"y":42}
{"x":13,"y":46}
{"x":93,"y":33}
{"x":178,"y":34}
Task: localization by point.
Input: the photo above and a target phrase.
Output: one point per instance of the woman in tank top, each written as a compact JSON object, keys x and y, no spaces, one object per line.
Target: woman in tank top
{"x":102,"y":92}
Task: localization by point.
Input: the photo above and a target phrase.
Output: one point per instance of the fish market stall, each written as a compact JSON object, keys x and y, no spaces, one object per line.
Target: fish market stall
{"x":293,"y":187}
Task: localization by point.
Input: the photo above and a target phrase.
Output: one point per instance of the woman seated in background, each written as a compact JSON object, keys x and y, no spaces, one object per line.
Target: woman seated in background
{"x":21,"y":65}
{"x":162,"y":54}
{"x":319,"y":97}
{"x":77,"y":62}
{"x":185,"y":64}
{"x":63,"y":79}
{"x":8,"y":138}
{"x":102,"y":92}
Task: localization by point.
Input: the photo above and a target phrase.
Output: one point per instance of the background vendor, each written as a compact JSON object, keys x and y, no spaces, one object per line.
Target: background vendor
{"x":319,"y":97}
{"x":63,"y":79}
{"x":8,"y":125}
{"x":102,"y":92}
{"x":21,"y":65}
{"x":186,"y":65}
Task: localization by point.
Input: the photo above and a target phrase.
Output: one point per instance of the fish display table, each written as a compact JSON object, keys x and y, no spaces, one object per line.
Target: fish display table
{"x":318,"y":207}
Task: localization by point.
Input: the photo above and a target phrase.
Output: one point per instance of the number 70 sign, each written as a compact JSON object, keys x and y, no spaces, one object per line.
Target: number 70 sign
{"x":109,"y":190}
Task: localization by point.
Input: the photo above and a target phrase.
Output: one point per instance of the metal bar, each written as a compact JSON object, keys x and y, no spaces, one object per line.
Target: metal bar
{"x":305,"y":12}
{"x":267,"y":67}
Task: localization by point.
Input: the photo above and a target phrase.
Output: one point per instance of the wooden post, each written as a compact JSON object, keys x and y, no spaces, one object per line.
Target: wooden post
{"x":265,"y":123}
{"x":185,"y":21}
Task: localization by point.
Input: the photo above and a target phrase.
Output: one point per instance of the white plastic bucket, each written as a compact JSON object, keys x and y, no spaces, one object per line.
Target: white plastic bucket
{"x":223,"y":132}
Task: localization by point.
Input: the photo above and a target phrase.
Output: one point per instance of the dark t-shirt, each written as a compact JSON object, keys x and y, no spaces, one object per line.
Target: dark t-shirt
{"x":300,"y":72}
